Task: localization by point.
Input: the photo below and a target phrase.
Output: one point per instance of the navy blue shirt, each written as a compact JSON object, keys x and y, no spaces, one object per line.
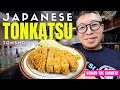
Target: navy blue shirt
{"x":103,"y":59}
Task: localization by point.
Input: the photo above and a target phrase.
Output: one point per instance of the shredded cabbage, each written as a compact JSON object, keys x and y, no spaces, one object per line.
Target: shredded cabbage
{"x":48,"y":43}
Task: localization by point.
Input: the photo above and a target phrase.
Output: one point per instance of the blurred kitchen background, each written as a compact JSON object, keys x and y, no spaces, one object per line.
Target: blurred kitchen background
{"x":10,"y":54}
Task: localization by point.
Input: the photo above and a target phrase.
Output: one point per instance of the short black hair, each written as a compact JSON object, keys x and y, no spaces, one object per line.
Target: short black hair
{"x":86,"y":12}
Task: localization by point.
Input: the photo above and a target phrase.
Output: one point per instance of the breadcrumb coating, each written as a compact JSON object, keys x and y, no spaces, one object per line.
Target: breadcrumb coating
{"x":52,"y":60}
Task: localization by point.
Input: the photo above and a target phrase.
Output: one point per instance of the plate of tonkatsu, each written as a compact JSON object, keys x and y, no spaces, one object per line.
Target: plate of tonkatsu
{"x":51,"y":60}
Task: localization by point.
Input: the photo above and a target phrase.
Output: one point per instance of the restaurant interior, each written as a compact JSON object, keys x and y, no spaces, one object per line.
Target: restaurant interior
{"x":10,"y":54}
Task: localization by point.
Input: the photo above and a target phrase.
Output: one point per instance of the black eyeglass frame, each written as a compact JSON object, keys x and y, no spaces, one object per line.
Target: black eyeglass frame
{"x":100,"y":22}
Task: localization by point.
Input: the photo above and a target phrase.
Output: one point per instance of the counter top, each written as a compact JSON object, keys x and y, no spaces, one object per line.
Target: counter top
{"x":12,"y":73}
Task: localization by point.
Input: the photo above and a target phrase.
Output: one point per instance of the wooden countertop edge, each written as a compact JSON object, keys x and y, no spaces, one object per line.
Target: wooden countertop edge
{"x":7,"y":68}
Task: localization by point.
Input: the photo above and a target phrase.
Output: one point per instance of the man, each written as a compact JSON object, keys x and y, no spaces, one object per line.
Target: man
{"x":90,"y":29}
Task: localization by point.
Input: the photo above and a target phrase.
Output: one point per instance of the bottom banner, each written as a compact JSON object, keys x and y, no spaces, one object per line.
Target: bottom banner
{"x":102,"y":72}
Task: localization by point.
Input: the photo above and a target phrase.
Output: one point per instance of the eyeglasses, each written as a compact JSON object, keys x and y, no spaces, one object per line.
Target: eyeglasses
{"x":82,"y":28}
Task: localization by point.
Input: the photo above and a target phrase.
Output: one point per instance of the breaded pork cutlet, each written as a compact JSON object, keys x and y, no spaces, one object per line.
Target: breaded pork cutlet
{"x":50,"y":61}
{"x":37,"y":59}
{"x":31,"y":58}
{"x":57,"y":62}
{"x":64,"y":63}
{"x":72,"y":61}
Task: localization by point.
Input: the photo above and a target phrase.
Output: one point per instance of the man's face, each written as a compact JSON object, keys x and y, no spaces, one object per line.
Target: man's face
{"x":90,"y":39}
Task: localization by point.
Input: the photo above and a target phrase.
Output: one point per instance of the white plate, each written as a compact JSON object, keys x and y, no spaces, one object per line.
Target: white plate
{"x":35,"y":74}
